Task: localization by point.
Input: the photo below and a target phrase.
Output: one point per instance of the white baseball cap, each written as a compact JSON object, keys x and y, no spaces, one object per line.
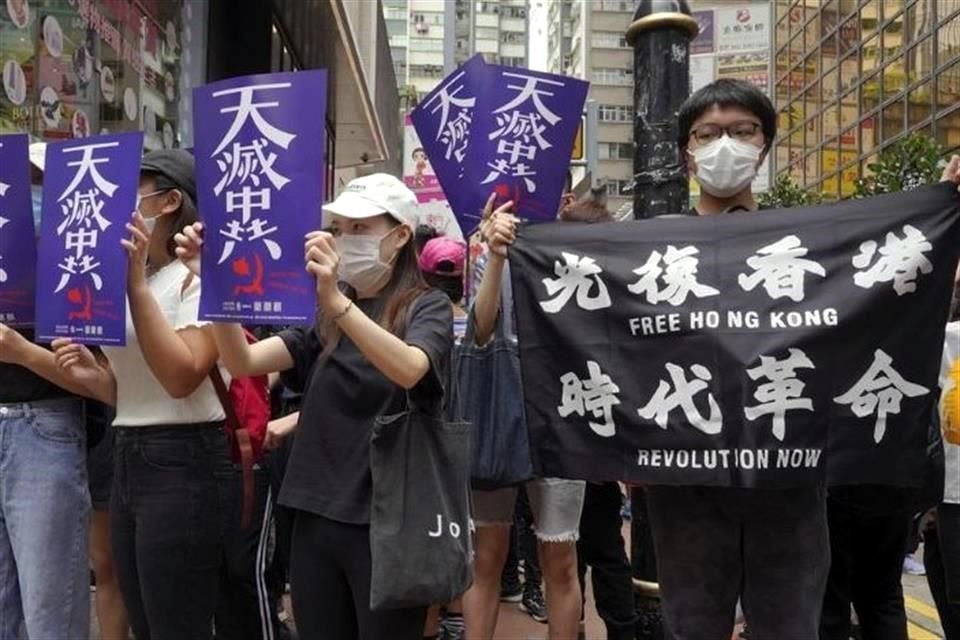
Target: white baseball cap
{"x":38,"y":154}
{"x":375,"y":195}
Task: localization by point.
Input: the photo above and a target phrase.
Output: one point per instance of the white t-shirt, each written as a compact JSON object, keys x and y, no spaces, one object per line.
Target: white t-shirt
{"x":949,"y":381}
{"x":141,"y":399}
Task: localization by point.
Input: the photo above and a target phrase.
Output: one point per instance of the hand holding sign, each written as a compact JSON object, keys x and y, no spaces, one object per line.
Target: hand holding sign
{"x":189,"y":243}
{"x":499,"y":228}
{"x":77,"y":361}
{"x":320,"y":253}
{"x":137,"y":249}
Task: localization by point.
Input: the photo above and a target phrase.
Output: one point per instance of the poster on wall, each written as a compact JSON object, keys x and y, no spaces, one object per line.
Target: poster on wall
{"x":745,"y":28}
{"x":752,"y":66}
{"x":77,"y":68}
{"x":434,"y":210}
{"x":706,"y":29}
{"x":16,"y":65}
{"x":702,"y":71}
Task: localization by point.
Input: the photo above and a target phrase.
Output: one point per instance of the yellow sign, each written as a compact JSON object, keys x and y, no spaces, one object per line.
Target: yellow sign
{"x":832,"y":161}
{"x":577,"y":154}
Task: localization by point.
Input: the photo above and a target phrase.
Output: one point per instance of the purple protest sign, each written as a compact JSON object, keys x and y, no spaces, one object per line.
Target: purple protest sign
{"x":259,"y":149}
{"x":89,"y":194}
{"x":443,"y":121}
{"x":523,"y":133}
{"x":18,"y":248}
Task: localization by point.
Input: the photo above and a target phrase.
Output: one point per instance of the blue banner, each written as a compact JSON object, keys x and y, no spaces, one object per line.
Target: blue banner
{"x":89,"y":195}
{"x":260,"y":157}
{"x":18,"y":248}
{"x":505,"y":130}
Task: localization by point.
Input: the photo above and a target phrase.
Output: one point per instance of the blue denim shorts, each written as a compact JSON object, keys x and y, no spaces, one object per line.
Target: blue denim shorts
{"x":556,"y":504}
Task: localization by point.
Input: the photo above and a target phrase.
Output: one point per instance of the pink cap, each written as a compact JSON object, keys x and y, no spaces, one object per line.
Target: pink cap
{"x":443,"y":257}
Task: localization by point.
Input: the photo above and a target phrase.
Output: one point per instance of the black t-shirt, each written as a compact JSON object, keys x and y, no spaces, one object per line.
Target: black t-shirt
{"x":329,"y":469}
{"x":18,"y":384}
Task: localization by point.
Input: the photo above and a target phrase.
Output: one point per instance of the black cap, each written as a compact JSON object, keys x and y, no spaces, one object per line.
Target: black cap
{"x":175,"y":169}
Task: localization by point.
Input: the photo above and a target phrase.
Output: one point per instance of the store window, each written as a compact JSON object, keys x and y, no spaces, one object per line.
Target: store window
{"x":74,"y":68}
{"x":919,"y":104}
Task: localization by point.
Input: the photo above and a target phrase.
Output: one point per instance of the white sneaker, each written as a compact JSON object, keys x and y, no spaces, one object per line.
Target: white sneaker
{"x":913,"y":567}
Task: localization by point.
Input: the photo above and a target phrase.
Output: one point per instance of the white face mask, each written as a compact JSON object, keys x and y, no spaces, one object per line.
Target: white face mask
{"x":151,"y":223}
{"x":360,"y":263}
{"x":725,"y":167}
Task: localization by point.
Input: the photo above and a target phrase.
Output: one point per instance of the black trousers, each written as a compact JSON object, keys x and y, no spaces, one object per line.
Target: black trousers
{"x":166,"y":521}
{"x":869,"y":535}
{"x":941,"y":555}
{"x":769,"y":547}
{"x":246,"y":607}
{"x":278,"y":571}
{"x":602,"y":548}
{"x":330,"y":573}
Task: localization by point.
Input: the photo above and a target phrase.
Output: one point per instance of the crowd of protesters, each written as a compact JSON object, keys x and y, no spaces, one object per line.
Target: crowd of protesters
{"x":115,"y":460}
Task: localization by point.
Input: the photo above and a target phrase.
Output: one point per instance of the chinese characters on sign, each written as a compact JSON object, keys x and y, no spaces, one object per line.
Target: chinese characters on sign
{"x":444,"y":123}
{"x":18,"y":256}
{"x":504,"y":130}
{"x":90,"y":190}
{"x":747,"y":350}
{"x":523,"y":134}
{"x":260,"y":170}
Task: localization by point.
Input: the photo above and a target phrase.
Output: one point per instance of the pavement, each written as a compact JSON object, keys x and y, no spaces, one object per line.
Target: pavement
{"x":923,"y":624}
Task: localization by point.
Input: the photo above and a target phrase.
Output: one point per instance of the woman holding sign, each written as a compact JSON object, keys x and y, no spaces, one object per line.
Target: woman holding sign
{"x":366,"y":356}
{"x":165,"y":508}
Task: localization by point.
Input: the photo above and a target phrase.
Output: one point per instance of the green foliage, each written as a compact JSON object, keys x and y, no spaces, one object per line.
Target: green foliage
{"x":903,"y":166}
{"x":786,"y":193}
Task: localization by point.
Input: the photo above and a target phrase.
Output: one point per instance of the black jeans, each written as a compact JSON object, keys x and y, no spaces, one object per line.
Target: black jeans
{"x":166,"y":520}
{"x":941,"y":555}
{"x":330,"y":582}
{"x":601,"y":547}
{"x":715,"y":544}
{"x":246,"y":608}
{"x":869,"y":533}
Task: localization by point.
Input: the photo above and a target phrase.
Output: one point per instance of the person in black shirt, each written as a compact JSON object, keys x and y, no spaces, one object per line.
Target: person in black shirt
{"x":365,"y":356}
{"x":715,"y":545}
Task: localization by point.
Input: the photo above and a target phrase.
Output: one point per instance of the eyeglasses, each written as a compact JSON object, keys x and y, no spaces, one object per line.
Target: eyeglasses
{"x":744,"y":131}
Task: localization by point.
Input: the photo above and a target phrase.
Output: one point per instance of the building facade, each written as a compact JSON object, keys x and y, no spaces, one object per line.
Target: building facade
{"x":498,"y":29}
{"x":587,"y":40}
{"x":429,"y":38}
{"x":854,"y":77}
{"x":74,"y":68}
{"x":421,"y":41}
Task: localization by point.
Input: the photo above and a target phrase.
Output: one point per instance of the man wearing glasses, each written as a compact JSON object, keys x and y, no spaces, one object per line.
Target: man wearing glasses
{"x":715,"y":545}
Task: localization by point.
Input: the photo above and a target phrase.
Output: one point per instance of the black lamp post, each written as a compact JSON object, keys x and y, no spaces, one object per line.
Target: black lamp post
{"x":660,"y":36}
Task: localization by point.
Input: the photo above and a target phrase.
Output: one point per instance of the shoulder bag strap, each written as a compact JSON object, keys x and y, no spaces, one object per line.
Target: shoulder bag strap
{"x":235,"y":433}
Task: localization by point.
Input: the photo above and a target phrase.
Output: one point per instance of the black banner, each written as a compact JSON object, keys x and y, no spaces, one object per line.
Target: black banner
{"x":766,"y":349}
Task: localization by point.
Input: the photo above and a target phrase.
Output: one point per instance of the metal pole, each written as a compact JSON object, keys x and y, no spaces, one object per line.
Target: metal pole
{"x":660,"y":36}
{"x":591,"y":145}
